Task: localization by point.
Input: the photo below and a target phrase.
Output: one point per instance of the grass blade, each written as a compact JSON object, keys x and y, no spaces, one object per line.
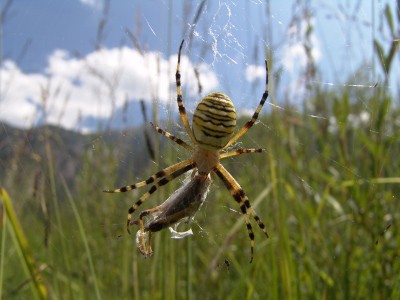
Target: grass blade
{"x":39,"y":287}
{"x":83,"y":236}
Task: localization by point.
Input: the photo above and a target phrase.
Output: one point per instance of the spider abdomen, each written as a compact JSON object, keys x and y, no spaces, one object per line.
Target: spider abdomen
{"x":214,"y":121}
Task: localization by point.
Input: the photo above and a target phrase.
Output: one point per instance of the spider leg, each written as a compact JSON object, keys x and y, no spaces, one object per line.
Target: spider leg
{"x":240,"y":197}
{"x":179,"y":98}
{"x":173,"y":138}
{"x":253,"y":119}
{"x":190,"y":164}
{"x":151,"y":179}
{"x":239,"y":151}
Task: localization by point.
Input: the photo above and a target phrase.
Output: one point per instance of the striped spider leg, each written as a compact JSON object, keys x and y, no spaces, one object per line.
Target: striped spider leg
{"x":213,"y":125}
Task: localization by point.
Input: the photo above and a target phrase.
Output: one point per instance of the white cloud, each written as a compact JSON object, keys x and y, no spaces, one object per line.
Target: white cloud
{"x":92,"y":3}
{"x":246,"y":112}
{"x":92,"y":86}
{"x":294,"y":59}
{"x":20,"y":95}
{"x":294,"y":56}
{"x":254,"y":72}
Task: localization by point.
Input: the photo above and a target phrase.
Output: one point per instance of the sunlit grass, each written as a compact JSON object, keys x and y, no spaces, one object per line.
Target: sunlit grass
{"x":328,"y":196}
{"x":327,"y":188}
{"x":21,"y":245}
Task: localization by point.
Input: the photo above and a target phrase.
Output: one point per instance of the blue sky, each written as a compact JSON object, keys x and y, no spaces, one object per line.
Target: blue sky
{"x":56,"y":70}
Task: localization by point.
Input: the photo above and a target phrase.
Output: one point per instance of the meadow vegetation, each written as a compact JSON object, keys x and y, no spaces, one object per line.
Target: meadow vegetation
{"x":329,"y":194}
{"x":327,"y":187}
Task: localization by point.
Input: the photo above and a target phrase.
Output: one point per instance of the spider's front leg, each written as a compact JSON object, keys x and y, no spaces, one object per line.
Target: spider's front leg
{"x":179,"y":97}
{"x":254,"y":118}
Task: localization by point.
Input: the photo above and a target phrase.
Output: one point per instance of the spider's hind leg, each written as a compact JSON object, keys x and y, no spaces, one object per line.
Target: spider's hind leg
{"x":240,"y":197}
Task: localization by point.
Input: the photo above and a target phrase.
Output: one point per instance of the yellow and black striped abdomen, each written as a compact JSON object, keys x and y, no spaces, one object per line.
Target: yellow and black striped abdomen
{"x":214,"y":121}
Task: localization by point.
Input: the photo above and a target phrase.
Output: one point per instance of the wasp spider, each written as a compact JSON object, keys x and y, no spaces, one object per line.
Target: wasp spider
{"x":214,"y":122}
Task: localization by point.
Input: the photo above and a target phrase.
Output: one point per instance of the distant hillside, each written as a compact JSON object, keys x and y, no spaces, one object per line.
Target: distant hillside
{"x":23,"y":155}
{"x":23,"y":152}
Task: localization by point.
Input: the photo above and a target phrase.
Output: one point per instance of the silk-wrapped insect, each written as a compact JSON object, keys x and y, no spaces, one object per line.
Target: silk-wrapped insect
{"x":182,"y":205}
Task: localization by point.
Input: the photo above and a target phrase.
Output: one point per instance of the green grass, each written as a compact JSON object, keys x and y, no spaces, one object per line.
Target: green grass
{"x":327,"y":195}
{"x":20,"y":245}
{"x":327,"y":192}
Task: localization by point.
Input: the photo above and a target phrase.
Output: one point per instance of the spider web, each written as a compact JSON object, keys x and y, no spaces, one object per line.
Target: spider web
{"x":128,"y":80}
{"x":230,"y":49}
